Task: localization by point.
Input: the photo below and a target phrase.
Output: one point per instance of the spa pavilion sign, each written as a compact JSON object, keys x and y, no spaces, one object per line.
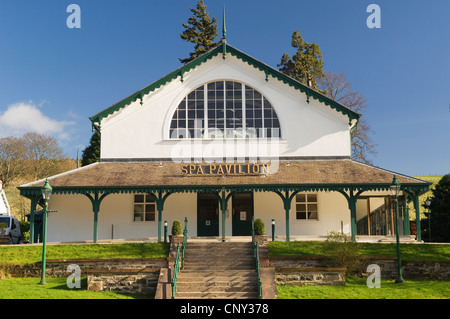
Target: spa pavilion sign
{"x":302,"y":176}
{"x":225,"y":169}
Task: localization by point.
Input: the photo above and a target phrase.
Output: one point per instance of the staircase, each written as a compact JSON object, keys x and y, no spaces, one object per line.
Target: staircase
{"x":218,"y":270}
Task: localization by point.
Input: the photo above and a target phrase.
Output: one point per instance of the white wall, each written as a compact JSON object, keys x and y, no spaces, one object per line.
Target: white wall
{"x":141,"y":131}
{"x":332,"y":210}
{"x":74,"y":220}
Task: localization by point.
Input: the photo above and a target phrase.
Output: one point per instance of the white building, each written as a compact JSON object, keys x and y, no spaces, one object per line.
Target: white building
{"x":220,"y":141}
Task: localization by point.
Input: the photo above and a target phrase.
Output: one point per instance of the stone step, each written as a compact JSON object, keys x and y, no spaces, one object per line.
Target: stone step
{"x":230,"y":263}
{"x":218,"y":279}
{"x":208,"y":274}
{"x":216,"y":295}
{"x":218,"y":270}
{"x":203,"y":268}
{"x":215,"y":288}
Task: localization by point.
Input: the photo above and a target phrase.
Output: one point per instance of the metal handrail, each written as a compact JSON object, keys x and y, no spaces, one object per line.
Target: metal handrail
{"x":179,"y":260}
{"x":183,"y":248}
{"x":176,"y":268}
{"x":256,"y":255}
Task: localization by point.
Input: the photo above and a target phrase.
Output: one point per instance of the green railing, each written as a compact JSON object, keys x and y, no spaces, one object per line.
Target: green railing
{"x":256,"y":255}
{"x":179,"y":260}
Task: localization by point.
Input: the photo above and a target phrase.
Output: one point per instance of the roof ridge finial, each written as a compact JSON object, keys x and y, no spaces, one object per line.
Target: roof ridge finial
{"x":224,"y":30}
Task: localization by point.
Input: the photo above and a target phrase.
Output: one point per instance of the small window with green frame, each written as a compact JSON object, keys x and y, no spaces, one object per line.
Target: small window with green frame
{"x":144,"y":208}
{"x":306,"y":207}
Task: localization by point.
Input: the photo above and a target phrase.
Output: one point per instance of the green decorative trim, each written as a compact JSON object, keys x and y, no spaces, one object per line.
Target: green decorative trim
{"x":30,"y":191}
{"x":225,"y":48}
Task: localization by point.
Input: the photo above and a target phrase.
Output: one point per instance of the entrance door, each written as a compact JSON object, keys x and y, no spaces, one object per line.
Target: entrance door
{"x":242,"y":214}
{"x":207,"y":215}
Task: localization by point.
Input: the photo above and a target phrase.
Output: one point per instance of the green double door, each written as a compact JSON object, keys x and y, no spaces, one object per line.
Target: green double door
{"x":208,"y":213}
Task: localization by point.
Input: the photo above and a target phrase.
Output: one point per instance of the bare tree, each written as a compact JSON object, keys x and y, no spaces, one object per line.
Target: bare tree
{"x":43,"y":154}
{"x":12,"y":156}
{"x":338,"y":88}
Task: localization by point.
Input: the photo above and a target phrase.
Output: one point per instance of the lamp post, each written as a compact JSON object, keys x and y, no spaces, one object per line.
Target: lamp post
{"x":46,"y":193}
{"x":428,"y":203}
{"x":273,"y":229}
{"x":165,"y":231}
{"x":395,"y":190}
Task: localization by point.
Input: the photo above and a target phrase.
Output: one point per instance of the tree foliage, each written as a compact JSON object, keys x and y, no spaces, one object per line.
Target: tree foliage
{"x":200,"y":30}
{"x":33,"y":156}
{"x":440,"y":212}
{"x":338,"y":88}
{"x":306,"y":65}
{"x":12,"y":158}
{"x":91,"y":154}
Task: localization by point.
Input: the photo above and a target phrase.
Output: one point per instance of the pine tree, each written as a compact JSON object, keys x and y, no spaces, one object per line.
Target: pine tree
{"x":440,"y":212}
{"x":91,"y":154}
{"x":201,"y":30}
{"x":306,"y":65}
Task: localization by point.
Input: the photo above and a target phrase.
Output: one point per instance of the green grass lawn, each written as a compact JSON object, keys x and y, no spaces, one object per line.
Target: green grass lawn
{"x":56,"y":288}
{"x":409,"y":252}
{"x":22,"y":254}
{"x":356,"y":288}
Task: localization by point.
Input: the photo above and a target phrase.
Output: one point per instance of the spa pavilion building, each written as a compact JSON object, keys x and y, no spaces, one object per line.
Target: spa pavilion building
{"x":220,"y":141}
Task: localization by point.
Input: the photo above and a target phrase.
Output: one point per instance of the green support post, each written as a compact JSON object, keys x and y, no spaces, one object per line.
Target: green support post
{"x":287,"y":208}
{"x":34,"y":201}
{"x":96,"y":201}
{"x":417,"y":209}
{"x":351,"y":200}
{"x":160,"y":199}
{"x":223,"y":207}
{"x":223,"y":200}
{"x":287,"y":199}
{"x":352,"y":205}
{"x":406,"y":225}
{"x":159,"y":208}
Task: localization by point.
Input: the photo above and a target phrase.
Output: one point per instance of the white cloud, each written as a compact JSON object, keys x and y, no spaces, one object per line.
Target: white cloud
{"x":23,"y":117}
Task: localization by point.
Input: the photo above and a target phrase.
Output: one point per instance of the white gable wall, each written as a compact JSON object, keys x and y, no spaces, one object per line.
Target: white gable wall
{"x":142,"y":131}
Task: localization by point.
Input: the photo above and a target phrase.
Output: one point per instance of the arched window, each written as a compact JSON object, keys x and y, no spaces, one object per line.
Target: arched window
{"x":225,"y":109}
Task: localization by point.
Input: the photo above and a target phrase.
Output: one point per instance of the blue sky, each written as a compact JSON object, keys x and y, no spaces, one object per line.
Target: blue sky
{"x":53,"y":78}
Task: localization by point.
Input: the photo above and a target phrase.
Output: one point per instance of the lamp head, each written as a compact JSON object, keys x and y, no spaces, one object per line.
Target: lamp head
{"x":395,"y":187}
{"x":46,"y":191}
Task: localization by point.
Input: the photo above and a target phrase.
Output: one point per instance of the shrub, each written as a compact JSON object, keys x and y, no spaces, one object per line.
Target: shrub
{"x":341,"y":251}
{"x":176,"y":228}
{"x":259,"y":227}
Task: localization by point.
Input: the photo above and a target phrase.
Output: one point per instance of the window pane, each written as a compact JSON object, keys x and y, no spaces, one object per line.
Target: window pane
{"x":301,"y":207}
{"x":301,"y":215}
{"x":224,"y":96}
{"x":301,"y":198}
{"x":312,"y":215}
{"x":138,"y":198}
{"x":149,"y":198}
{"x":138,"y":212}
{"x":312,"y":197}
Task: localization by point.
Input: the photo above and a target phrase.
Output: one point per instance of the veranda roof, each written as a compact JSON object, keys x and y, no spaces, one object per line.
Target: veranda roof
{"x":150,"y":177}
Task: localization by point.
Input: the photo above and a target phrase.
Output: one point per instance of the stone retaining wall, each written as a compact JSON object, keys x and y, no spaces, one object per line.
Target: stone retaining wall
{"x":58,"y":267}
{"x":136,"y":281}
{"x":388,"y":266}
{"x":310,"y":276}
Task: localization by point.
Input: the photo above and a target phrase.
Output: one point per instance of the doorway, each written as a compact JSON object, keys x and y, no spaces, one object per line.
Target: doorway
{"x":207,"y":215}
{"x":242,"y":213}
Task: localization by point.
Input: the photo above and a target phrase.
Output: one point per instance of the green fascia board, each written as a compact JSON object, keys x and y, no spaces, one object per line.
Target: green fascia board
{"x":226,"y":48}
{"x":33,"y":191}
